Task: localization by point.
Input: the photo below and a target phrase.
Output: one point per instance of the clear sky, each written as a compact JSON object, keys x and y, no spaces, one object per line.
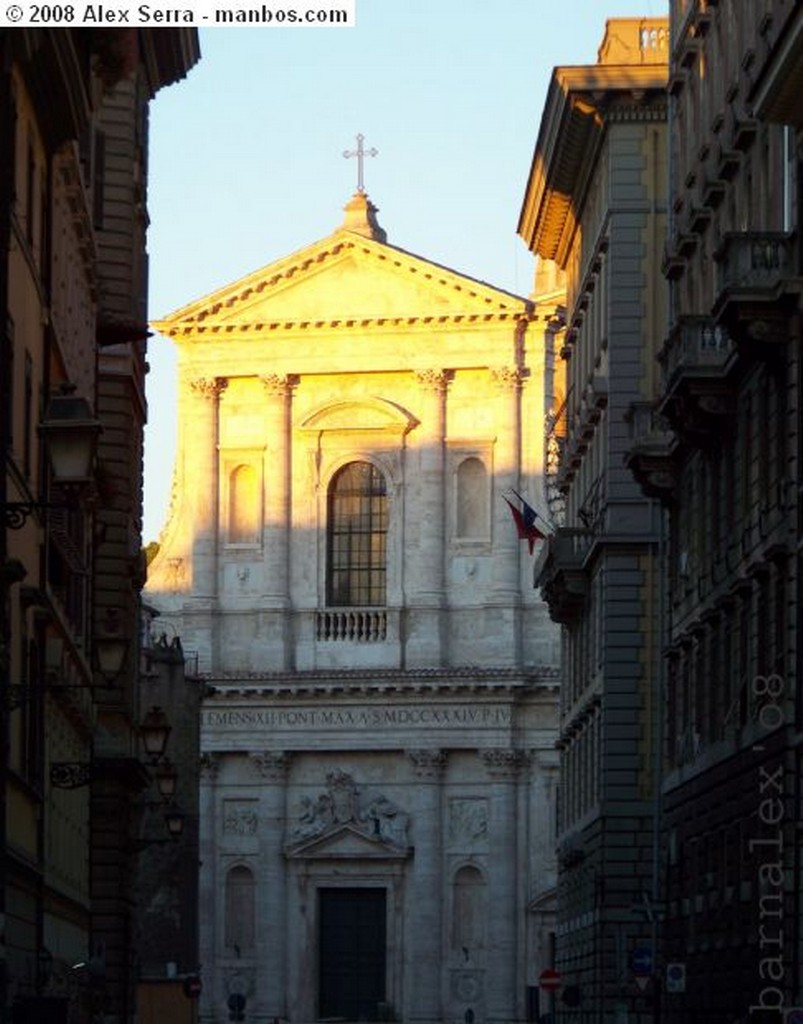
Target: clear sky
{"x":246,"y":155}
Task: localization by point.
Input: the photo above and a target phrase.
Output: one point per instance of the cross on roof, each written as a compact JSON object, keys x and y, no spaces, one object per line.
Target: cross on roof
{"x":361,"y":154}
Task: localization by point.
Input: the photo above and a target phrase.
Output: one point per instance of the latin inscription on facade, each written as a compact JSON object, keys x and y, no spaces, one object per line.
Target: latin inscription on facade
{"x":488,"y":716}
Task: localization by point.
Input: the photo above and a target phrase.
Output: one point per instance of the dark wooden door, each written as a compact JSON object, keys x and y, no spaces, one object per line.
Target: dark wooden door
{"x":352,"y":953}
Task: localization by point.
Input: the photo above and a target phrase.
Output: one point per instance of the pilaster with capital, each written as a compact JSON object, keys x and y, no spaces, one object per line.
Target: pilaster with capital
{"x":506,"y":385}
{"x":503,"y":767}
{"x":278,"y":390}
{"x":426,"y":625}
{"x":427,"y":903}
{"x":202,"y":482}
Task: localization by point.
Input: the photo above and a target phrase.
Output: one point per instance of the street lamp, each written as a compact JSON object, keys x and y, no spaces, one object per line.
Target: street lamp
{"x":166,"y":776}
{"x":155,"y":732}
{"x":71,"y":435}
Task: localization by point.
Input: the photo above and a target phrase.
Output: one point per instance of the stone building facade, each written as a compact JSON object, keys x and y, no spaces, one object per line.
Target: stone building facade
{"x":378,"y":777}
{"x":727,"y":465}
{"x":596,"y":205}
{"x":73,"y":216}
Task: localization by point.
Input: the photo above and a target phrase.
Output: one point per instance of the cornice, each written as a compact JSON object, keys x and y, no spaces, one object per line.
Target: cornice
{"x":581,"y":101}
{"x":492,"y":682}
{"x":200,"y":332}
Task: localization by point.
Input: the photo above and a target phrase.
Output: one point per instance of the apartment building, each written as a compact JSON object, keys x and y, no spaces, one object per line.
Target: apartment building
{"x":595,"y":205}
{"x":724,"y":457}
{"x":73,"y":216}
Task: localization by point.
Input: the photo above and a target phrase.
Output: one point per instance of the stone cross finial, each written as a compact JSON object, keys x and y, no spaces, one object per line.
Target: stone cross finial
{"x":361,"y":154}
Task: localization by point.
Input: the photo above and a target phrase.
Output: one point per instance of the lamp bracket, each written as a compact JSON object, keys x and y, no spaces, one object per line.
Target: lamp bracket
{"x":70,"y":774}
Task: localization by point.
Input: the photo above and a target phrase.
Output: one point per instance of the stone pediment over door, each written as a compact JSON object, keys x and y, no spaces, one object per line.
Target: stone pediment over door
{"x":346,"y":842}
{"x":344,"y":281}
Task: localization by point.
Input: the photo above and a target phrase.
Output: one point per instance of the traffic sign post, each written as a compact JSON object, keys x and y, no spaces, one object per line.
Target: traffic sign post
{"x":549,"y":980}
{"x":641,"y":964}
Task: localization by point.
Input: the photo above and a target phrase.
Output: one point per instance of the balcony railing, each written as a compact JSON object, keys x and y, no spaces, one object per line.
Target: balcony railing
{"x":560,"y":572}
{"x":697,"y":346}
{"x":755,"y":263}
{"x":357,"y":625}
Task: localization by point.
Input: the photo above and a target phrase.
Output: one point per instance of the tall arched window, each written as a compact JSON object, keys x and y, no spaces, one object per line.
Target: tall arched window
{"x":243,"y":506}
{"x":357,"y":526}
{"x":239,"y":909}
{"x":472,"y":500}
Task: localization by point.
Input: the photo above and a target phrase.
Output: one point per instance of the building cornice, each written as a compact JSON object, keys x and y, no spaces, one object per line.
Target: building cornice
{"x":580,"y":103}
{"x":360,"y":682}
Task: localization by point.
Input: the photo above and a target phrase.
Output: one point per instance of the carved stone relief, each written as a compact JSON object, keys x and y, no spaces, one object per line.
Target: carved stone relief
{"x":344,"y":803}
{"x":240,"y":817}
{"x":468,"y":822}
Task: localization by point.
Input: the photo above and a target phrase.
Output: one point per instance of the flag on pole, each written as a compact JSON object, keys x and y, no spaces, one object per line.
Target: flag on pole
{"x":524,"y":519}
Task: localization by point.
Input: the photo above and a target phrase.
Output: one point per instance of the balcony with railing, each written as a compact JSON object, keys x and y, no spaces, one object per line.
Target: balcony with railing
{"x":651,"y":456}
{"x":756,"y":272}
{"x":697,"y":360}
{"x":560,"y":572}
{"x":358,"y":625}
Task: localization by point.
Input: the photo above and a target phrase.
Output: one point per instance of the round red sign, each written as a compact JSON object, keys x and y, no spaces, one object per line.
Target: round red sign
{"x":549,"y":980}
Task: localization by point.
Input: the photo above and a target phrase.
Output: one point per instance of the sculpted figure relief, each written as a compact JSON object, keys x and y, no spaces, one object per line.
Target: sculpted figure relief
{"x":344,"y":803}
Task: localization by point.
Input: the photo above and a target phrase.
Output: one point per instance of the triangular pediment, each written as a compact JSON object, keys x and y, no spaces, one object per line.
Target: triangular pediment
{"x":345,"y":279}
{"x":346,"y":842}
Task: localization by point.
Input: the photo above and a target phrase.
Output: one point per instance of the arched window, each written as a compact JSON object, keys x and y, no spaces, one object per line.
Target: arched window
{"x":472,"y":499}
{"x":357,"y":526}
{"x":243,"y":506}
{"x":239,"y":909}
{"x":469,"y":911}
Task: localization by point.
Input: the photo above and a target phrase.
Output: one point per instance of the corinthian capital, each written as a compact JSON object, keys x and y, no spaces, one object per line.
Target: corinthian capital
{"x":428,"y":764}
{"x":209,"y":387}
{"x":506,"y":378}
{"x":432,"y":380}
{"x":276,"y":383}
{"x":503,"y":764}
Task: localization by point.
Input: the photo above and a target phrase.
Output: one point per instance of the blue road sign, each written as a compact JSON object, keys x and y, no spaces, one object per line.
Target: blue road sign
{"x":641,"y":960}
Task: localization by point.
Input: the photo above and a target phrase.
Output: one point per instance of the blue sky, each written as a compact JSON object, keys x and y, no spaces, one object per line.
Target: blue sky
{"x":246,"y":156}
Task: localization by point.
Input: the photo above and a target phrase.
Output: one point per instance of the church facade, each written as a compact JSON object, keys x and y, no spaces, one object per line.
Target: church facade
{"x":378,"y":730}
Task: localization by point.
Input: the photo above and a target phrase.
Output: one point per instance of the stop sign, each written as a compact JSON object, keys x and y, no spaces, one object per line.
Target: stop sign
{"x":549,"y":980}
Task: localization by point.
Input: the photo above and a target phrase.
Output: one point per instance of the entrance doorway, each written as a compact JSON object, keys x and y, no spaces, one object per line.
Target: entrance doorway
{"x":352,"y":953}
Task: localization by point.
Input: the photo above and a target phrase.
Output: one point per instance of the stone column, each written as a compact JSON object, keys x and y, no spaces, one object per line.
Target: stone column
{"x":425,"y":938}
{"x":202,"y":478}
{"x":274,"y":628}
{"x":503,"y":910}
{"x":271,"y":768}
{"x":212,"y":910}
{"x":426,"y":534}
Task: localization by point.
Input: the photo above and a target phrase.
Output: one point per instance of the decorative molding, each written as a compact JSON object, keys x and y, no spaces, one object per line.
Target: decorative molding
{"x":468,"y":821}
{"x":503,"y":764}
{"x":428,"y":764}
{"x":272,"y":765}
{"x":240,"y":817}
